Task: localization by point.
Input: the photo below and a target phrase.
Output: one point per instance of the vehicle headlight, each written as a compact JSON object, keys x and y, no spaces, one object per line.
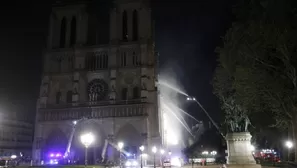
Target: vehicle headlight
{"x":134,"y":163}
{"x":128,"y":163}
{"x":175,"y":162}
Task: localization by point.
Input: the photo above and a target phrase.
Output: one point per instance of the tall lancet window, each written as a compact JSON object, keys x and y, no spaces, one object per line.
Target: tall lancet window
{"x":58,"y":97}
{"x":136,"y":94}
{"x":63,"y":33}
{"x":124,"y":93}
{"x":135,"y":25}
{"x":73,"y":31}
{"x":69,"y":96}
{"x":125,"y":26}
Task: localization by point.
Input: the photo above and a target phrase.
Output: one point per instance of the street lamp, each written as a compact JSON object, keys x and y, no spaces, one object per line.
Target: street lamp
{"x":289,"y":145}
{"x":120,"y":146}
{"x":170,"y":153}
{"x":87,"y":140}
{"x":162,"y":151}
{"x":141,"y":149}
{"x":154,"y":150}
{"x":213,"y":153}
{"x":205,"y":153}
{"x":74,"y":122}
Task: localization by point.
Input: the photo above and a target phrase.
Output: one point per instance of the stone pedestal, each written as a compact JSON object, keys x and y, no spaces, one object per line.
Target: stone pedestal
{"x":239,"y":153}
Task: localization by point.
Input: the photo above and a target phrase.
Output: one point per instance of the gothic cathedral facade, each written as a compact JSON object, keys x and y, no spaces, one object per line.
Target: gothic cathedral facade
{"x":112,"y":83}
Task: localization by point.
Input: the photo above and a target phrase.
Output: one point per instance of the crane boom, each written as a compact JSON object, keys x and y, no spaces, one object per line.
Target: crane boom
{"x":67,"y":152}
{"x":114,"y":146}
{"x":75,"y":123}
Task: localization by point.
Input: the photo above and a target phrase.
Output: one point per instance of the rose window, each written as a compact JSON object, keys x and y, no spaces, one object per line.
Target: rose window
{"x":97,"y":90}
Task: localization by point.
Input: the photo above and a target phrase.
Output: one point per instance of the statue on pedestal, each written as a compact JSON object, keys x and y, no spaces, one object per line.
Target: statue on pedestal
{"x":236,"y":118}
{"x":238,"y":137}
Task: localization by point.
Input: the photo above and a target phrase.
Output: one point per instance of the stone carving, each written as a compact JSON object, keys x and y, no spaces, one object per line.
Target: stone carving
{"x":90,"y":96}
{"x":112,"y":96}
{"x":44,"y":87}
{"x":94,"y":97}
{"x":238,"y":150}
{"x":59,"y":59}
{"x":247,"y":122}
{"x":112,"y":93}
{"x":75,"y":88}
{"x":112,"y":88}
{"x":44,"y":90}
{"x":239,"y":123}
{"x":97,"y":90}
{"x":143,"y":86}
{"x":236,"y":118}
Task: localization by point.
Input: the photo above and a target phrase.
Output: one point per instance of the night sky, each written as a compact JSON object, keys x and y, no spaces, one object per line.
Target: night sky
{"x":187,"y":32}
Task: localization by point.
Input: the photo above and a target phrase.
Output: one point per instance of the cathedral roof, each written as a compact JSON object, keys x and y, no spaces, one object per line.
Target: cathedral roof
{"x":70,"y":2}
{"x":131,"y":1}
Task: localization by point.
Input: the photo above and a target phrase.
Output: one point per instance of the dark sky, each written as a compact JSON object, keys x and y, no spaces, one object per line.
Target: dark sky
{"x":187,"y":32}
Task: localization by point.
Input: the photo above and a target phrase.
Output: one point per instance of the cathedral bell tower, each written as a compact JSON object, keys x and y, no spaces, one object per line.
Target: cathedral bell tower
{"x":130,"y":21}
{"x":131,"y":27}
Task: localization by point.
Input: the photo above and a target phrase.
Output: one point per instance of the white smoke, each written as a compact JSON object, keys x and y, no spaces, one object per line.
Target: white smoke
{"x":172,"y":99}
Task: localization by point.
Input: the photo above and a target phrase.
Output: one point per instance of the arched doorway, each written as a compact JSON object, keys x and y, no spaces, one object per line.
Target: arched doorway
{"x":131,"y":138}
{"x":95,"y":149}
{"x":55,"y":144}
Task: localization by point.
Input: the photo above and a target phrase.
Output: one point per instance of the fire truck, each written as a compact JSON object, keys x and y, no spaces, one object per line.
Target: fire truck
{"x":267,"y":155}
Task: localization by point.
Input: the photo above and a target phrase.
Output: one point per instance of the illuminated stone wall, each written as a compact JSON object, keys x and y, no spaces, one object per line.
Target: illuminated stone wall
{"x":111,"y":84}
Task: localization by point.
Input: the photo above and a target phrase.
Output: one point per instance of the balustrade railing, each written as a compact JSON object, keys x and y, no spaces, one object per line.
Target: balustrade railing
{"x":9,"y":143}
{"x":94,"y":103}
{"x":129,"y":110}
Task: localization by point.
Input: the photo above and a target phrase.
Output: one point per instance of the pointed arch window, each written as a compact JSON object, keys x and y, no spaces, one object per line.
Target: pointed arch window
{"x":96,"y":61}
{"x":135,"y":59}
{"x":123,"y":59}
{"x":125,"y":26}
{"x":58,"y":97}
{"x":63,"y":33}
{"x":73,"y":31}
{"x":69,"y":96}
{"x":102,"y":60}
{"x":124,"y":94}
{"x":136,"y":94}
{"x":135,"y":25}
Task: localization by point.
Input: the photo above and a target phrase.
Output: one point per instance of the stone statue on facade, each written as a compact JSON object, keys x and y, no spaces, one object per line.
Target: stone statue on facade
{"x":75,"y":88}
{"x":93,"y":97}
{"x":96,"y":96}
{"x":44,"y":91}
{"x":112,"y":96}
{"x":143,"y":86}
{"x":112,"y":88}
{"x":90,"y":96}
